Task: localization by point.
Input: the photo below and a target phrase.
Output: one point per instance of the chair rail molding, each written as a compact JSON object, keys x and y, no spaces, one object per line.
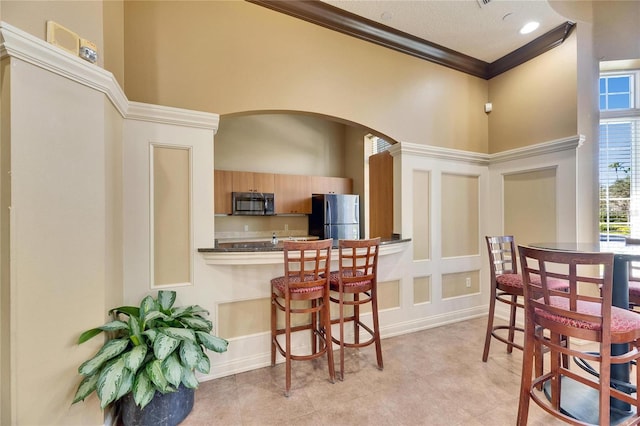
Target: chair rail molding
{"x":439,"y":152}
{"x":550,"y":147}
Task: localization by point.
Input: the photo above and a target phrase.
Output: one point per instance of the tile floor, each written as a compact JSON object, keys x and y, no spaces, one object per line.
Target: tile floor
{"x":431,"y":377}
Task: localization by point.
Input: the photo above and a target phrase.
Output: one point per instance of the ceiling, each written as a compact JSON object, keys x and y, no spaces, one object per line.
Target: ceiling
{"x":483,"y":31}
{"x":478,"y":37}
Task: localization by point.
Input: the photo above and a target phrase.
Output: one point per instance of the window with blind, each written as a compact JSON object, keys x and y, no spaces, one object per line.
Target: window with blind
{"x":619,"y":161}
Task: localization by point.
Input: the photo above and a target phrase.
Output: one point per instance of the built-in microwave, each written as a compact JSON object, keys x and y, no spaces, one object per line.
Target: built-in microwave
{"x":253,"y":203}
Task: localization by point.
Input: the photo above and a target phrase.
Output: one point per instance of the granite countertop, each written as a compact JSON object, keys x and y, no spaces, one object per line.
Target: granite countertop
{"x":267,"y":246}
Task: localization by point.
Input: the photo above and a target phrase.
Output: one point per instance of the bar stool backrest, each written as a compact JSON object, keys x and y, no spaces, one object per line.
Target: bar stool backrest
{"x":307,"y":263}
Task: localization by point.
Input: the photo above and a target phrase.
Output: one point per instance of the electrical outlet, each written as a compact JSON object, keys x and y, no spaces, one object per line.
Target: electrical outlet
{"x":467,"y":282}
{"x":286,"y":227}
{"x":246,"y":228}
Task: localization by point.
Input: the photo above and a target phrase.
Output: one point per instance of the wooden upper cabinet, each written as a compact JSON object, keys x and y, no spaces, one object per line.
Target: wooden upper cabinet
{"x":293,"y":194}
{"x":222,"y":188}
{"x":253,"y":182}
{"x":331,"y":185}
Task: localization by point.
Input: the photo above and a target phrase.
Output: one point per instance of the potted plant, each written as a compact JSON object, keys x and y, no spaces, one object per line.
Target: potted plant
{"x":151,"y":350}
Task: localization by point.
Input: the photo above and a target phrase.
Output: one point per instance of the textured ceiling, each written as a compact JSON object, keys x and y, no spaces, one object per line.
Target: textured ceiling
{"x":486,"y":32}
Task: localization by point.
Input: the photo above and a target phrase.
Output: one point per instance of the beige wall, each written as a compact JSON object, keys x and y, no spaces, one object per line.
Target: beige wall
{"x":616,"y":29}
{"x":281,"y":143}
{"x":234,"y":56}
{"x":112,"y":51}
{"x":535,"y":102}
{"x":6,"y":399}
{"x":61,"y":257}
{"x":84,"y":18}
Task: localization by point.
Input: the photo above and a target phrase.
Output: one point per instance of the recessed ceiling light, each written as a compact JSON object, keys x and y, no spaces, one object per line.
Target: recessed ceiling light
{"x":529,"y":27}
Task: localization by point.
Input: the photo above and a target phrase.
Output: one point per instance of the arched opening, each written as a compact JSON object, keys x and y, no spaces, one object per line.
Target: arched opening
{"x":298,"y":143}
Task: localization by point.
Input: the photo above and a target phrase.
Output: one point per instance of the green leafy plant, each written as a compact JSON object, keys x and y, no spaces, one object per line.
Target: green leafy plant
{"x":154,"y":347}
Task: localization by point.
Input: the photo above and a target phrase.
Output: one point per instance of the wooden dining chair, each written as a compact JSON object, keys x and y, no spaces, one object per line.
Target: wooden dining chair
{"x":582,"y":312}
{"x":303,"y":290}
{"x":507,"y":288}
{"x":357,"y":276}
{"x":634,"y":277}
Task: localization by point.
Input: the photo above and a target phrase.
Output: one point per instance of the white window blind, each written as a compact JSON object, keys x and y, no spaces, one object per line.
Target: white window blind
{"x":619,"y":162}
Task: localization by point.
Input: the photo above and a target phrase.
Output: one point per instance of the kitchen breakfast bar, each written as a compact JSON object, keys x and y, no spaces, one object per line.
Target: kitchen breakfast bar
{"x":265,"y":252}
{"x":239,"y":297}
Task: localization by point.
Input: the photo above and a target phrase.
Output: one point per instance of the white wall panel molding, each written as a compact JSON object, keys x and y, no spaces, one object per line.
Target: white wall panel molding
{"x":174,"y":116}
{"x":439,"y":153}
{"x":560,"y":155}
{"x":568,"y":143}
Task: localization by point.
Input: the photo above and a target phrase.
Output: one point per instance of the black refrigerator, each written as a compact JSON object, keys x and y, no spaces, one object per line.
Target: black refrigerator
{"x":335,"y":216}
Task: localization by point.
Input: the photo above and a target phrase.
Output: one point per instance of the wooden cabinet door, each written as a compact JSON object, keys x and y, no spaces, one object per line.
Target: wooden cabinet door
{"x":331,"y":185}
{"x":222,"y":188}
{"x":381,"y":195}
{"x":338,"y":185}
{"x":253,"y":182}
{"x":264,"y":182}
{"x":293,"y":194}
{"x":243,"y":182}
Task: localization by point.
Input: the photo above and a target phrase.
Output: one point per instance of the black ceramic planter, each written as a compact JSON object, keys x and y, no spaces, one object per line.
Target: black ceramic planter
{"x":167,"y":409}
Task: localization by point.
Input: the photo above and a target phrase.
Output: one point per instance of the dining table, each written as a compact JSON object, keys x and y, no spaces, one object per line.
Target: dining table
{"x":580,"y":401}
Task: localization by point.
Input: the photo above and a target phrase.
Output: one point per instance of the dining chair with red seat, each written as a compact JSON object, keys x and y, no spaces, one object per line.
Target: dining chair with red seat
{"x":357,"y":275}
{"x":634,"y":277}
{"x":303,"y":290}
{"x":506,"y":287}
{"x":583,"y":311}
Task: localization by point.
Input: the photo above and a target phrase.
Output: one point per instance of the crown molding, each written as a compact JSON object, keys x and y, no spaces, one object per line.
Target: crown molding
{"x":545,"y":42}
{"x":334,"y":18}
{"x":18,"y":44}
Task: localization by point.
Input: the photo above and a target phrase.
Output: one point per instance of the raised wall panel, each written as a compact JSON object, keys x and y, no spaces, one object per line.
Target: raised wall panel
{"x":460,"y":215}
{"x":454,"y":285}
{"x":244,"y":318}
{"x":421,"y":215}
{"x":421,"y":290}
{"x":171,"y":207}
{"x":530,"y":206}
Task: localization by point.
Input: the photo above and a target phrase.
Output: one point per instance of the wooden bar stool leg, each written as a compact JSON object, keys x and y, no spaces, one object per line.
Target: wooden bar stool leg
{"x":512,"y":322}
{"x":487,"y":338}
{"x":341,"y":309}
{"x":376,"y":327}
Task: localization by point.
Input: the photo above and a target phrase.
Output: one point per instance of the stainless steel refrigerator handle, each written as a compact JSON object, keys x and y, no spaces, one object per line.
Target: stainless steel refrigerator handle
{"x":327,"y":214}
{"x":356,"y":212}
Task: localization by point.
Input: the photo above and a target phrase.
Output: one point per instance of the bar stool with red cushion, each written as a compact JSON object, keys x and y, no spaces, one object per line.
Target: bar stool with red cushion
{"x":586,"y":314}
{"x":306,"y":268}
{"x":357,"y":275}
{"x":506,"y":287}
